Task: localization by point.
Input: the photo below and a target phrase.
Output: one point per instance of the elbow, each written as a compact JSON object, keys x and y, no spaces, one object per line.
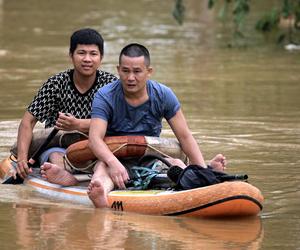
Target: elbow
{"x":28,"y":121}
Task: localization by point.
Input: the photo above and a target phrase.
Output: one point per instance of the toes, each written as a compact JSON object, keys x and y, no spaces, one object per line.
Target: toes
{"x":46,"y":166}
{"x":220,"y":158}
{"x":44,"y":176}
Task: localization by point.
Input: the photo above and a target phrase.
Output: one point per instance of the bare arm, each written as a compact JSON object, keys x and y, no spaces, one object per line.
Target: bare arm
{"x":23,"y":142}
{"x":187,"y":141}
{"x":116,"y":170}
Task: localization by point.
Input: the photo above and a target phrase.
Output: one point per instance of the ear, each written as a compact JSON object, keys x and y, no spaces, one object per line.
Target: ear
{"x":150,"y":71}
{"x":118,"y":69}
{"x":71,"y":56}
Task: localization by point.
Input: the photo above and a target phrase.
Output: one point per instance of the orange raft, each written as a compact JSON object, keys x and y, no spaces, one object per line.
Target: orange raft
{"x":227,"y":199}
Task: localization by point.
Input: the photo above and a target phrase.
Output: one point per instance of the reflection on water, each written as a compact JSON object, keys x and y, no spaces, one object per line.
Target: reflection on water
{"x":242,"y":102}
{"x":77,"y":228}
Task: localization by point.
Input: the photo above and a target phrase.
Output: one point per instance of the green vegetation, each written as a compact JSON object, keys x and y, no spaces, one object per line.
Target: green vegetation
{"x":178,"y":12}
{"x":283,"y":19}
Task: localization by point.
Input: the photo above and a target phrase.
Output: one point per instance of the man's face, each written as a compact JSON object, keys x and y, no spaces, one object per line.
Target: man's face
{"x":133,"y":74}
{"x":86,"y":59}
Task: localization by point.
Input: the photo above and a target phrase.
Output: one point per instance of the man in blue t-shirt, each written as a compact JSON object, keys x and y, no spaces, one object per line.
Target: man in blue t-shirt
{"x":134,"y":105}
{"x":123,"y":118}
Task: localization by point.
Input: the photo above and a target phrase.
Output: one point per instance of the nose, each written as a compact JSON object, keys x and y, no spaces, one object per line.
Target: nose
{"x":131,"y":76}
{"x":87,"y":57}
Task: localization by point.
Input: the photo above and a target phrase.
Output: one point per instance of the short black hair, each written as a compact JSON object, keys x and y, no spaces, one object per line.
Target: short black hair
{"x":86,"y":36}
{"x":136,"y":50}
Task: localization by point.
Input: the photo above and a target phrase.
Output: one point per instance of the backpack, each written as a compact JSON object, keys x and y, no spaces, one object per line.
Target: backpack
{"x":194,"y":176}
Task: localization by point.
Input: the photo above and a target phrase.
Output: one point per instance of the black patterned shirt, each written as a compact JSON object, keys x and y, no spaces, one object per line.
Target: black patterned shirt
{"x":59,"y":94}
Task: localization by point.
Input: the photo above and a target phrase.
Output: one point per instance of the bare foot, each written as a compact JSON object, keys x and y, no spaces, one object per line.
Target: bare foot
{"x":57,"y":175}
{"x":96,"y":194}
{"x":218,"y":163}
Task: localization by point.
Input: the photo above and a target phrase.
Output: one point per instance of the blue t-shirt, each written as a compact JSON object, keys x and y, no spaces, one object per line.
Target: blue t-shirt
{"x":123,"y":119}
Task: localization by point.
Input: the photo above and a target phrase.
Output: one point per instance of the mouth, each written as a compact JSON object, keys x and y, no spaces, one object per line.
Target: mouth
{"x":131,"y":85}
{"x":87,"y":67}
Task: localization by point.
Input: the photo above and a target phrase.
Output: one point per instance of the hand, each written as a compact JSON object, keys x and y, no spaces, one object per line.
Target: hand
{"x":23,"y":169}
{"x":13,"y":171}
{"x":119,"y":175}
{"x":66,"y":122}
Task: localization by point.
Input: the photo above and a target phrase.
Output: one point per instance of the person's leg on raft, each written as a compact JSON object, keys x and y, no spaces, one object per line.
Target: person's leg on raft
{"x":100,"y":185}
{"x":52,"y":168}
{"x":217,"y":163}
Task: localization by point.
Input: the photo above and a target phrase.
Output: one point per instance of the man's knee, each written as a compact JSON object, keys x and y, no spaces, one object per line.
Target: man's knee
{"x":56,"y":156}
{"x":52,"y":155}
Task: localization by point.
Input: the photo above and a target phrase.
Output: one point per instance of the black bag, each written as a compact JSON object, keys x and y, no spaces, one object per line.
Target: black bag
{"x":195,"y":176}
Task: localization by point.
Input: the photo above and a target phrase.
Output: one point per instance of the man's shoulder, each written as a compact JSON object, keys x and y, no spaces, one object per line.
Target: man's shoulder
{"x":105,"y":76}
{"x":58,"y":80}
{"x":157,"y":86}
{"x":60,"y":76}
{"x":111,"y":88}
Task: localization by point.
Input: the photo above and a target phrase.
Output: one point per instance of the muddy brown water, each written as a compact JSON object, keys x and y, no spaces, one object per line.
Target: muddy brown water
{"x":242,"y":102}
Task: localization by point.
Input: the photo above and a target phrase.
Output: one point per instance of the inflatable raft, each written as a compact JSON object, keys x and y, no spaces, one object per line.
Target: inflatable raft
{"x":227,"y":199}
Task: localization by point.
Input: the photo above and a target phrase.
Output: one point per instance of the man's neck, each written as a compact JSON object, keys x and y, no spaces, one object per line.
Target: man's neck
{"x":83,"y":83}
{"x":136,"y":99}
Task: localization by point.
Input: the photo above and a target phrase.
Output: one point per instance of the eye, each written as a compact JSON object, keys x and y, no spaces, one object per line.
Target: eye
{"x":94,"y":53}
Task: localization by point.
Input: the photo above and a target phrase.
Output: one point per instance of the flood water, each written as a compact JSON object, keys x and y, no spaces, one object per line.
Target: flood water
{"x":243,"y":102}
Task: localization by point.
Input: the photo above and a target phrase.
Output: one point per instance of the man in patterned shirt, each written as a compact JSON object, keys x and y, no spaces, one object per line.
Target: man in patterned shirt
{"x":65,"y":99}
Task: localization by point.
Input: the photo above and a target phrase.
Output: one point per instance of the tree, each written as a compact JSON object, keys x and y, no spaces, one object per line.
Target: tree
{"x":289,"y":14}
{"x":286,"y":12}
